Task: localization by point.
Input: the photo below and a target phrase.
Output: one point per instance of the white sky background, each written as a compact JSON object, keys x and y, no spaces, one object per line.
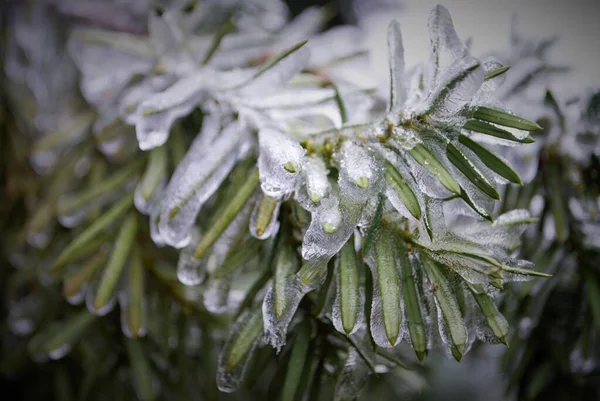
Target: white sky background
{"x":577,"y":22}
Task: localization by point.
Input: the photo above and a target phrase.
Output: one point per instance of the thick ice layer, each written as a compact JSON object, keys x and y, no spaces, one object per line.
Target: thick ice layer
{"x":446,"y":46}
{"x":200,"y":176}
{"x":334,"y":44}
{"x":288,"y":98}
{"x":333,"y":222}
{"x":455,"y":88}
{"x":360,"y":173}
{"x":396,"y":63}
{"x":280,"y":162}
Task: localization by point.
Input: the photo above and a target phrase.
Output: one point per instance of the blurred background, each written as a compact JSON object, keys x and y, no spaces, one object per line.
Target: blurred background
{"x":488,"y":22}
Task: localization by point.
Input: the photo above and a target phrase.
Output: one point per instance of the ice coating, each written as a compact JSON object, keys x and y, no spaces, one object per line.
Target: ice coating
{"x":192,"y":271}
{"x":446,"y":46}
{"x":496,"y":82}
{"x":135,"y":94}
{"x":336,"y":312}
{"x":354,"y":377}
{"x":153,"y":130}
{"x":90,"y":300}
{"x":276,"y":319}
{"x":235,"y":356}
{"x":456,"y":87}
{"x":201,"y":175}
{"x":396,"y":62}
{"x":428,"y":183}
{"x":154,"y":116}
{"x":185,"y":90}
{"x":288,"y":98}
{"x":405,"y":138}
{"x":264,"y":221}
{"x":400,"y":165}
{"x":280,"y":162}
{"x":216,"y":296}
{"x":267,"y":81}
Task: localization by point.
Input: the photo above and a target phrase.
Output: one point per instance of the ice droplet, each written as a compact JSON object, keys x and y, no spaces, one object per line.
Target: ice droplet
{"x":280,"y":161}
{"x":216,"y":296}
{"x":360,"y":173}
{"x":494,"y":83}
{"x":90,"y":300}
{"x":317,"y":183}
{"x":189,"y":270}
{"x":153,"y":130}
